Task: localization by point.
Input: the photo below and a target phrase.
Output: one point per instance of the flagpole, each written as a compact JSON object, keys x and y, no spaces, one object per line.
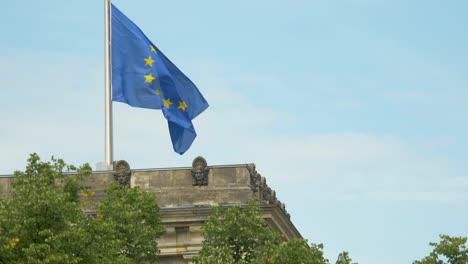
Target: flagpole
{"x":109,"y":152}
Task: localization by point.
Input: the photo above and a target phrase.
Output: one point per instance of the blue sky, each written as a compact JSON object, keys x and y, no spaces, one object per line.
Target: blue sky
{"x":355,"y":110}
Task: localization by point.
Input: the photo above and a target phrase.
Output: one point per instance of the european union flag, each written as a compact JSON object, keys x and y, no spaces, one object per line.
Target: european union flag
{"x":143,"y":77}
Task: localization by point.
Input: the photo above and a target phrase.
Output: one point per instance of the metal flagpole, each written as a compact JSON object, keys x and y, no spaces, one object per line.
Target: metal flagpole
{"x":108,"y":86}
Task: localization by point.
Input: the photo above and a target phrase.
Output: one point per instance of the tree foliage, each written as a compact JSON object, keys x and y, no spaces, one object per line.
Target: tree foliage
{"x":134,"y":215}
{"x":343,"y":258}
{"x":236,"y":235}
{"x":240,"y":235}
{"x":450,"y":250}
{"x":297,"y":251}
{"x":41,"y":220}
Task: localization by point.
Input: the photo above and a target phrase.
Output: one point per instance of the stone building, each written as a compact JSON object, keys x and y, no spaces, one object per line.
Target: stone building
{"x":185,"y":196}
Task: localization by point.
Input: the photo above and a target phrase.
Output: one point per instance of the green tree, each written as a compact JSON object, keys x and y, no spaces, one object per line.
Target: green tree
{"x":240,"y":235}
{"x":450,"y":250}
{"x":134,"y":215}
{"x":41,"y":220}
{"x":343,"y":258}
{"x":296,"y":251}
{"x":236,"y":235}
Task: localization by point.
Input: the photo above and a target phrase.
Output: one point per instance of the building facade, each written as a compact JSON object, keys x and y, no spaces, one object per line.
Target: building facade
{"x":185,"y":196}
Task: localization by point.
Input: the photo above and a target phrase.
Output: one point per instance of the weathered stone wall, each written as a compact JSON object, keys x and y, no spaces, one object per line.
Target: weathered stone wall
{"x":5,"y":184}
{"x":174,"y":187}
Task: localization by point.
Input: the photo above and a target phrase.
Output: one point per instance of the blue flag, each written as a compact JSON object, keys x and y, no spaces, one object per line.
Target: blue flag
{"x":143,"y":77}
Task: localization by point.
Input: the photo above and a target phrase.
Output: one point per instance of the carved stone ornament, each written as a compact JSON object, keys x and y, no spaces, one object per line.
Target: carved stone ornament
{"x":199,"y":172}
{"x":254,"y":179}
{"x":122,"y":173}
{"x":262,"y":191}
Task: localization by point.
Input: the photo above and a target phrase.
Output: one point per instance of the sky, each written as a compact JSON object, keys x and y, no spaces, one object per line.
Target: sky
{"x":354,"y":110}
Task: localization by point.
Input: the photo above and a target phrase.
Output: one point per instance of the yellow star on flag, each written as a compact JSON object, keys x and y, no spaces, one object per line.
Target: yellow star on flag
{"x":153,"y":49}
{"x":182,"y":105}
{"x":167,"y":103}
{"x":149,"y":61}
{"x":149,"y":78}
{"x":158,"y":92}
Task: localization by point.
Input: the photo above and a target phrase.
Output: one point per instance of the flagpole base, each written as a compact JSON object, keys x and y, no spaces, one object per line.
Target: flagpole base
{"x":104,"y":166}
